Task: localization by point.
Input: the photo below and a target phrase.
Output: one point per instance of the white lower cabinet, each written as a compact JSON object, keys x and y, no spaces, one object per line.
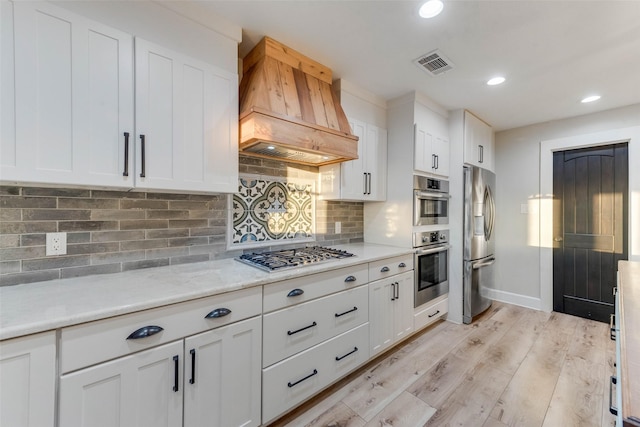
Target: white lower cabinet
{"x":197,"y":362}
{"x":27,"y":380}
{"x":297,"y":378}
{"x":222,"y":376}
{"x":391,"y":310}
{"x":143,"y":389}
{"x":291,"y":330}
{"x":428,"y":313}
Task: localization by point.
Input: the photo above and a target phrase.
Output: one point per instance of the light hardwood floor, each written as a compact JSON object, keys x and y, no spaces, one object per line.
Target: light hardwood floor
{"x":512,"y":367}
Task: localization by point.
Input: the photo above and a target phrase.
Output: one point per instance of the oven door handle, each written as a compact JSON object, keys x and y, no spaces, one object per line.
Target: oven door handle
{"x":487,"y":263}
{"x":431,"y":195}
{"x":432,"y":250}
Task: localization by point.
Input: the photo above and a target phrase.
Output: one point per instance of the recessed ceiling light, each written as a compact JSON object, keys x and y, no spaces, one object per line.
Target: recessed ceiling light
{"x":590,"y":99}
{"x":271,"y":147}
{"x":495,"y":81}
{"x":431,"y":8}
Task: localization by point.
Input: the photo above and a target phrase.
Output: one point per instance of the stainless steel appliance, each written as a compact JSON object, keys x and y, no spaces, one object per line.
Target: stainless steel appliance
{"x":478,"y":245}
{"x":287,"y":258}
{"x":431,"y":265}
{"x":430,"y":201}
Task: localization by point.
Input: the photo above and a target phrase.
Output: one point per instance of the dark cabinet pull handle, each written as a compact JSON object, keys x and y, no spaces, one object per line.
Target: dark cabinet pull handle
{"x":218,"y":312}
{"x":364,"y":183}
{"x":192,"y":380}
{"x":612,"y":408}
{"x":302,"y":329}
{"x":144,"y":332}
{"x":434,"y":314}
{"x":142,"y":155}
{"x":294,"y":293}
{"x":347,"y":312}
{"x":348,"y":354}
{"x":437,"y":162}
{"x":397,"y":290}
{"x":290,"y":384}
{"x":393,"y":291}
{"x":176,"y":360}
{"x":481,"y":154}
{"x":350,"y":279}
{"x":433,"y":161}
{"x":612,"y":327}
{"x":402,"y":265}
{"x":384,"y":269}
{"x":126,"y":154}
{"x":369,"y":190}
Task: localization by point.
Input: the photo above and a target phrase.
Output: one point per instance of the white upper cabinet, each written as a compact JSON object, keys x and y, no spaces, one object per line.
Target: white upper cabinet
{"x":73,"y":85}
{"x":363,"y":178}
{"x":73,"y":99}
{"x":186,"y":122}
{"x":478,"y":142}
{"x":431,"y":142}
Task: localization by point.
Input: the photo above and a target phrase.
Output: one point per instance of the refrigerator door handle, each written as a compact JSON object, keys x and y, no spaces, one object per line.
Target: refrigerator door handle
{"x":487,"y":263}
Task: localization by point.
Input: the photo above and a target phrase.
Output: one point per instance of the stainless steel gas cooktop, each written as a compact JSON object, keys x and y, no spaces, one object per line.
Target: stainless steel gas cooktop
{"x":285,"y":258}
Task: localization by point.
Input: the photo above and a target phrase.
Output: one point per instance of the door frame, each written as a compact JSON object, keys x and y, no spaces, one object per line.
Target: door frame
{"x":630,"y":135}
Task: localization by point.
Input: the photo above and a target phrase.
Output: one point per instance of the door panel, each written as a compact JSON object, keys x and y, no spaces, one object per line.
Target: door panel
{"x":590,"y":223}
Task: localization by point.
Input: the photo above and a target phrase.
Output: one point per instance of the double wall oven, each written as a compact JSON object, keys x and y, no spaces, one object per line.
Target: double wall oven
{"x":431,"y":263}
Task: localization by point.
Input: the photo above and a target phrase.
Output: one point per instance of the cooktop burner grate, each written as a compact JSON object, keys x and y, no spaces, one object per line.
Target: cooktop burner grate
{"x":276,"y":260}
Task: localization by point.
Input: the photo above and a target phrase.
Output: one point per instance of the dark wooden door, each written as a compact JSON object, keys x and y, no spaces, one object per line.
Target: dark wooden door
{"x":589,"y":228}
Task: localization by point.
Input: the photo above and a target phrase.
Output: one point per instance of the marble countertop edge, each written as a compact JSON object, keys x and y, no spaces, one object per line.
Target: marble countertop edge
{"x":43,"y":306}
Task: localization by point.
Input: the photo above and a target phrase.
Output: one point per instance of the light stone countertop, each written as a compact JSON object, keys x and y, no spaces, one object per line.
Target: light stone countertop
{"x":38,"y":307}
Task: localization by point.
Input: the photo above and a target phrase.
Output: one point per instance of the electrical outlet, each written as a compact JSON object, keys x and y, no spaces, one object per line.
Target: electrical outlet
{"x":338,"y":227}
{"x":56,"y":244}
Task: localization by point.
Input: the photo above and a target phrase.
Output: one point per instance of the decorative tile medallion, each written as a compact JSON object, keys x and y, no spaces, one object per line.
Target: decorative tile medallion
{"x":266,"y":210}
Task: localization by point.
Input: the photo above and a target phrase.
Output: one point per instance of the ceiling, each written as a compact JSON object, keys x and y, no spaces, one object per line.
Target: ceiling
{"x":553,"y":53}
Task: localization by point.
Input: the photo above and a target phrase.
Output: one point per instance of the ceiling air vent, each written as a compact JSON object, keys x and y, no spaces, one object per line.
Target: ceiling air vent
{"x":434,"y":63}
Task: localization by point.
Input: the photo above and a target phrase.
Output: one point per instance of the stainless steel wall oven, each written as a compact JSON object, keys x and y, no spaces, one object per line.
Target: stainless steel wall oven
{"x":431,"y":265}
{"x":430,"y":201}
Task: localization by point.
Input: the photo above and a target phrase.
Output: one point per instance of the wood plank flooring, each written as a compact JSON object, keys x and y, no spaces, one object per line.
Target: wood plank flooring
{"x":512,"y":367}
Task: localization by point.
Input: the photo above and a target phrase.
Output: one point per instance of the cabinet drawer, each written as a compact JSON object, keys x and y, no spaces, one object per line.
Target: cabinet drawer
{"x":276,"y":296}
{"x":294,"y":329}
{"x":390,"y":266}
{"x":293,"y":380}
{"x":433,"y":312}
{"x":94,"y":342}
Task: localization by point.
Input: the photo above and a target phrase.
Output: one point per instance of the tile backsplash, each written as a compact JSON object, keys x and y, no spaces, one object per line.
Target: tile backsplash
{"x":268,"y":210}
{"x":113,"y":231}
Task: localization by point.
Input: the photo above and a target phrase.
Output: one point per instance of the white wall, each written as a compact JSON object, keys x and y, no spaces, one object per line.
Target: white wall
{"x":523,"y":177}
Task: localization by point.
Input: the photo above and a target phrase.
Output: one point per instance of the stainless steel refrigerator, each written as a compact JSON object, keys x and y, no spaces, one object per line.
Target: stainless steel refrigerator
{"x":478,"y":245}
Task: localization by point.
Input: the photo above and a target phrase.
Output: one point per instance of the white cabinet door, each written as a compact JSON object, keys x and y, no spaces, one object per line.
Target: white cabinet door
{"x":381,"y":315}
{"x":478,"y":142}
{"x":390,"y":310}
{"x":27,"y":381}
{"x":440,"y":148}
{"x":73,"y":99}
{"x":431,"y":142}
{"x":223,"y":376}
{"x":364,"y":178}
{"x":353,"y":180}
{"x":403,"y":305}
{"x":137,"y":390}
{"x":186,"y":123}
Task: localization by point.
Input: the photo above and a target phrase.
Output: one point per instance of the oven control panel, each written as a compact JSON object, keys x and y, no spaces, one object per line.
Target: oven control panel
{"x":428,"y":238}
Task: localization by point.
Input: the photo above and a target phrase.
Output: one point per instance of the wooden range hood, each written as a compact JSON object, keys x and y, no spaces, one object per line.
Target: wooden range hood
{"x":289,"y":111}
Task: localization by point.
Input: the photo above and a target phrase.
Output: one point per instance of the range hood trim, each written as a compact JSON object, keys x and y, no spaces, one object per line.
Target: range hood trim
{"x":259,"y":125}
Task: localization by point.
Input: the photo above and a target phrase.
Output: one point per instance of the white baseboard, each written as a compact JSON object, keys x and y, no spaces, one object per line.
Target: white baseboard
{"x":515,"y":299}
